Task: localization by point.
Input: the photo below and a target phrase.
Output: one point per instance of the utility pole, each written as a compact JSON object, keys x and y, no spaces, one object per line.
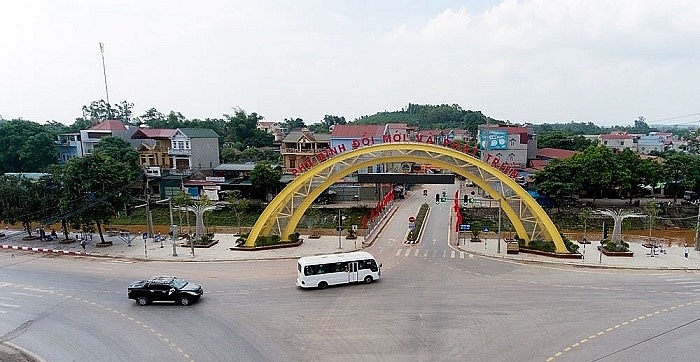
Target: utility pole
{"x":173,"y":228}
{"x":149,"y":216}
{"x":697,"y":231}
{"x":104,"y":70}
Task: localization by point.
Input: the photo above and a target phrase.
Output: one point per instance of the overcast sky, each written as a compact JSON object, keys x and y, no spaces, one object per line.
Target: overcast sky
{"x":537,"y":61}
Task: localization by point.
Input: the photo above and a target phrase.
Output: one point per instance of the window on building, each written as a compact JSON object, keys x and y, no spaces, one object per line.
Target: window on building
{"x":512,"y":142}
{"x":292,"y":164}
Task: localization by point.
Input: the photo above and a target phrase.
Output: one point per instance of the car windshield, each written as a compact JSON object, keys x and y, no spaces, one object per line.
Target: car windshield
{"x":179,"y":283}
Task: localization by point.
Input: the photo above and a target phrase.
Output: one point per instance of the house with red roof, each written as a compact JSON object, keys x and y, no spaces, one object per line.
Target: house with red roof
{"x":619,"y":140}
{"x":82,"y":143}
{"x":178,"y":151}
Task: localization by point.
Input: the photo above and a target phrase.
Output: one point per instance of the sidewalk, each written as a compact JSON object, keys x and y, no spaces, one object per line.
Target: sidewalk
{"x":150,"y":250}
{"x":672,"y":257}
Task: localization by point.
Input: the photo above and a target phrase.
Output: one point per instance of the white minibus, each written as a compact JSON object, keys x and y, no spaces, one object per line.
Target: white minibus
{"x":323,"y":270}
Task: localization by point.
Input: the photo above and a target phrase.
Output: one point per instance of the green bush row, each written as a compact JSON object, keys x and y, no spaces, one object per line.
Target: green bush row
{"x":422,"y":212}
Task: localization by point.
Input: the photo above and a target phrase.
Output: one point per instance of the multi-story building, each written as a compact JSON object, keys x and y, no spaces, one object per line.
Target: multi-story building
{"x":82,"y":143}
{"x":183,"y":150}
{"x":299,"y":148}
{"x":514,"y":145}
{"x":619,"y":140}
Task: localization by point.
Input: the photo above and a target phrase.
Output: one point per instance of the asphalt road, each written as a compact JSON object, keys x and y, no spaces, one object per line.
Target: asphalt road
{"x":431,"y":304}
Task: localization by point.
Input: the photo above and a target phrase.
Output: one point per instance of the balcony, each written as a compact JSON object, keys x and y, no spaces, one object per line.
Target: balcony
{"x":180,"y":152}
{"x":302,"y":152}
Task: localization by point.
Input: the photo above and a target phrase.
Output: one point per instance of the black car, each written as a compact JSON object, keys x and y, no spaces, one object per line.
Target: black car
{"x":166,"y":289}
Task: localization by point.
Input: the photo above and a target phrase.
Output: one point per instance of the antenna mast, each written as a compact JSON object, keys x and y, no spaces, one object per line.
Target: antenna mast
{"x":104,"y":71}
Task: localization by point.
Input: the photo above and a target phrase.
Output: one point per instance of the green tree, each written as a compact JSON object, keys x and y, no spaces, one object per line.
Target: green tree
{"x":293,"y":123}
{"x":27,"y":147}
{"x":598,"y":165}
{"x":238,"y":205}
{"x":559,"y":179}
{"x":563,"y":140}
{"x":22,"y":201}
{"x":265,"y":178}
{"x":96,"y":186}
{"x":241,"y":129}
{"x":119,"y":150}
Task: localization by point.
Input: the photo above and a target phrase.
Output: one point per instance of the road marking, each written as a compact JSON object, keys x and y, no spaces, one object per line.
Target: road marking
{"x":408,"y":252}
{"x":461,"y":255}
{"x":416,"y":253}
{"x":9,"y":305}
{"x":27,"y":294}
{"x":398,"y":252}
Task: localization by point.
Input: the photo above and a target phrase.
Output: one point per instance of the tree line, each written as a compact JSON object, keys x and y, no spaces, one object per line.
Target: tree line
{"x":599,"y":172}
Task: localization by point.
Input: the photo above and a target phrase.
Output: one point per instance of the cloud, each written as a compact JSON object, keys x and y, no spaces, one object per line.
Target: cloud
{"x":541,"y":58}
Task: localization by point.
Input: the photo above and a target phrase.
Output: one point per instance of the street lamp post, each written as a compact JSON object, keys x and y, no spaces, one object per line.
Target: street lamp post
{"x":173,"y":228}
{"x":340,"y":229}
{"x":499,"y":224}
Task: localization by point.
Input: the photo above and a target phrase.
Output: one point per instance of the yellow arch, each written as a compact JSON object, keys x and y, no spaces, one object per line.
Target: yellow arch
{"x":285,"y":211}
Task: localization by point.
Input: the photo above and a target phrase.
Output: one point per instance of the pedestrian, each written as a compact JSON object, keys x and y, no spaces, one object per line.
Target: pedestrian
{"x":686,"y":250}
{"x":53,"y":234}
{"x":83,"y":243}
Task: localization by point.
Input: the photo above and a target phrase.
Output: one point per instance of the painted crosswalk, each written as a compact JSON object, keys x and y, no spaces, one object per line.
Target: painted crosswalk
{"x":684,"y":282}
{"x":432,"y":253}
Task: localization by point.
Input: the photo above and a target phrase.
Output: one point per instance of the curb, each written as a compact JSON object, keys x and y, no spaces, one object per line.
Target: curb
{"x":45,"y":250}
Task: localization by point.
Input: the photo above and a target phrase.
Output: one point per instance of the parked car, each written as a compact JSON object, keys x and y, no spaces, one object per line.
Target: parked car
{"x":164,"y":289}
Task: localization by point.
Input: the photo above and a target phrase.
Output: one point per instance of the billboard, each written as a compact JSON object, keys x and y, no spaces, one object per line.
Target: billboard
{"x":493,"y":140}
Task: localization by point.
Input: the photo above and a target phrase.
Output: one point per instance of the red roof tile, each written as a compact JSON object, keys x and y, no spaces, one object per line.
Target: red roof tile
{"x":153,"y":133}
{"x":109,"y":125}
{"x":355,"y":130}
{"x":557,"y":153}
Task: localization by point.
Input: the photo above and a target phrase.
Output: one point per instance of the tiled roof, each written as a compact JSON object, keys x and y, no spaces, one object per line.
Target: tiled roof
{"x":295,"y":136}
{"x":109,"y":125}
{"x":199,"y":132}
{"x":538,"y":164}
{"x":557,"y":153}
{"x":357,"y":131}
{"x":430,"y":132}
{"x":153,"y":133}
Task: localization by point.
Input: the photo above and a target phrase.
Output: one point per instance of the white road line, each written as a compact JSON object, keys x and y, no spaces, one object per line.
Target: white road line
{"x":398,"y":252}
{"x":452,"y":254}
{"x":408,"y":252}
{"x":27,"y":294}
{"x":416,"y":253}
{"x":9,"y":305}
{"x":461,"y":255}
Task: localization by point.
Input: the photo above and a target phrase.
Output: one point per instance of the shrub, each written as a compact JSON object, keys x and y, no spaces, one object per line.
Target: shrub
{"x":265,"y":240}
{"x":539,"y":244}
{"x":570,"y":246}
{"x":294,"y":237}
{"x":610,"y":245}
{"x":420,"y":218}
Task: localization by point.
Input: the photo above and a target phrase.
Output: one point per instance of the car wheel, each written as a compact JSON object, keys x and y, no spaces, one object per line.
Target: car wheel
{"x":142,"y":301}
{"x":322,"y":285}
{"x":368,"y":279}
{"x":185,"y":301}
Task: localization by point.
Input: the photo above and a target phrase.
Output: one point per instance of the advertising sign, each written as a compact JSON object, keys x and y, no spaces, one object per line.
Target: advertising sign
{"x":493,"y":140}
